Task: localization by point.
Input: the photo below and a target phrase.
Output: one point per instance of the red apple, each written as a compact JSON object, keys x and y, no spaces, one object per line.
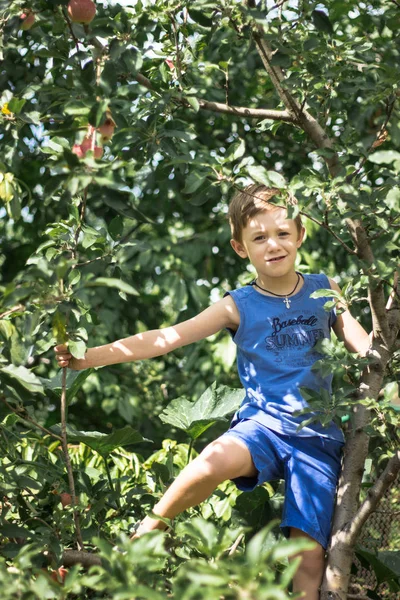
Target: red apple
{"x":59,"y":575}
{"x":27,"y":19}
{"x":98,"y":152}
{"x":77,"y":149}
{"x":81,"y":150}
{"x":81,"y":11}
{"x":66,"y":499}
{"x":107,"y":130}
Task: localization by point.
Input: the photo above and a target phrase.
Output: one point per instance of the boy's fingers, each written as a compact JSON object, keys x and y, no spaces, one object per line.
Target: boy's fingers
{"x":61,"y":348}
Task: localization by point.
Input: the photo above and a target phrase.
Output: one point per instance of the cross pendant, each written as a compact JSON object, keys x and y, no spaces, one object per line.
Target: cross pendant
{"x":287,"y":302}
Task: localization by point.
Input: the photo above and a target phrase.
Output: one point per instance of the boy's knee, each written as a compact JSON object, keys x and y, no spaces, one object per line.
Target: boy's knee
{"x":213,"y":457}
{"x":312,"y":561}
{"x":226,"y":459}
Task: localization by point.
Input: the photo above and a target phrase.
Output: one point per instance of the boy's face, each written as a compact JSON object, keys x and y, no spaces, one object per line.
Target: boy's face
{"x":270,"y":241}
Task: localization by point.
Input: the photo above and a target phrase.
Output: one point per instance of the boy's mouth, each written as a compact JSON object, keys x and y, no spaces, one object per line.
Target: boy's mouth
{"x":276,"y":259}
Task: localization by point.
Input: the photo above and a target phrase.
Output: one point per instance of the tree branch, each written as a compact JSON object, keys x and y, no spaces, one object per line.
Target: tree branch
{"x":393,"y":309}
{"x":74,"y":557}
{"x":27,"y":418}
{"x":253,"y":113}
{"x":67,"y":459}
{"x":238,"y":111}
{"x":18,"y":308}
{"x":308,"y":123}
{"x":328,"y":228}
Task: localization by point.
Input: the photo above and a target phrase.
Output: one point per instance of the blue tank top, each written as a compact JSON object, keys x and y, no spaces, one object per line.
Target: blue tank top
{"x":275,"y":355}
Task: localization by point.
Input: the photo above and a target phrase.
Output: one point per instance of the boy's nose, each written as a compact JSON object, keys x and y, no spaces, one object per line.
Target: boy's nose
{"x":272,"y":244}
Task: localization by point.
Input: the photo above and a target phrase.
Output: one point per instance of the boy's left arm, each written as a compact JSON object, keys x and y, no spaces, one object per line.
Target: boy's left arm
{"x":349,"y":330}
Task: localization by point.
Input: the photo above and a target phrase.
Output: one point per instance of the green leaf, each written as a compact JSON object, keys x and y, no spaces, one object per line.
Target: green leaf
{"x":194,"y":103}
{"x":103,"y":443}
{"x":281,"y":59}
{"x":76,"y":108}
{"x":77,"y":348}
{"x":194,"y":180}
{"x":382,"y":571}
{"x":199,"y":17}
{"x":235,"y":151}
{"x":116,"y":227}
{"x":23,"y":377}
{"x":75,"y":380}
{"x":276,"y":179}
{"x":113,"y":283}
{"x":259,"y":174}
{"x":11,"y":530}
{"x":322,"y":293}
{"x":384,"y":157}
{"x":16,"y":105}
{"x":132,"y":59}
{"x":196,"y":417}
{"x":321,"y":21}
{"x":96,"y":115}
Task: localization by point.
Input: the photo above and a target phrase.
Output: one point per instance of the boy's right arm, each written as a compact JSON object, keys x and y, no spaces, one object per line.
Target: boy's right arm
{"x":156,"y":342}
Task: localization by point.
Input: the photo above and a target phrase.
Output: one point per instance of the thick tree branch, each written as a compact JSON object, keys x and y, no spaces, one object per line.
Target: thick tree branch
{"x":375,"y":289}
{"x":238,"y":111}
{"x":74,"y":557}
{"x":308,"y":123}
{"x":253,"y":113}
{"x":393,"y":310}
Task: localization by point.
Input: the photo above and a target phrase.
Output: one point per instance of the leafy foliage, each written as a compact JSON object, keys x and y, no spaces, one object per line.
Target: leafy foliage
{"x":97,"y":248}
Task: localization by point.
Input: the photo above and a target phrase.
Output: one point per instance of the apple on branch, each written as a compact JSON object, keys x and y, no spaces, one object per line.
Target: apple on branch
{"x":27,"y":19}
{"x":81,"y":11}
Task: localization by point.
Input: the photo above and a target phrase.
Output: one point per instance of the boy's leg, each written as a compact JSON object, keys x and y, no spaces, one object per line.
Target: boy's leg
{"x":226,"y":458}
{"x":309,"y":575}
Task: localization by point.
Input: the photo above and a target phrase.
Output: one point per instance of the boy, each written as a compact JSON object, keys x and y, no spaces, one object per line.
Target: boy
{"x":275,"y":325}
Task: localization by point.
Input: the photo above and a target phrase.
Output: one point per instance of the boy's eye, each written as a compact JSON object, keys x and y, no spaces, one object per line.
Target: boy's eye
{"x":259,"y":237}
{"x":283,"y":233}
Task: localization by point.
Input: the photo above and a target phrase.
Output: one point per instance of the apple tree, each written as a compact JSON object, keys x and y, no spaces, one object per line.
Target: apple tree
{"x":125,"y":128}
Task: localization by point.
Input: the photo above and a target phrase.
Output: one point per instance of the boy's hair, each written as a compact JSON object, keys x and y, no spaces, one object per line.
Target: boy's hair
{"x":245,"y":204}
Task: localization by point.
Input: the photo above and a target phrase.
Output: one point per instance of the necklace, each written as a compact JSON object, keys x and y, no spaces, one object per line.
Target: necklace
{"x":285,"y":296}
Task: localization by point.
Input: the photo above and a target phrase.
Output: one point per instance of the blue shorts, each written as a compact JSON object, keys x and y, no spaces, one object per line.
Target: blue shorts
{"x":310,"y":467}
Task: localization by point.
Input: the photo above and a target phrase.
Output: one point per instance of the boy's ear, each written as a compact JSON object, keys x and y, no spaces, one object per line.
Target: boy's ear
{"x":239,"y":248}
{"x":300,"y":237}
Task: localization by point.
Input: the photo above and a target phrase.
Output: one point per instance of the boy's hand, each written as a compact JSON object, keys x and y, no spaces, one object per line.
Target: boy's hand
{"x":65,"y":359}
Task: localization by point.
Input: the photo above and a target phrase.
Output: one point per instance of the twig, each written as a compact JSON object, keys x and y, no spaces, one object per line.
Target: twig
{"x":234,"y":547}
{"x":29,"y":419}
{"x":121,"y":241}
{"x":66,"y":17}
{"x":67,"y":458}
{"x":389,"y":110}
{"x":81,"y":217}
{"x":178,"y":56}
{"x":13,"y":309}
{"x":328,"y":228}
